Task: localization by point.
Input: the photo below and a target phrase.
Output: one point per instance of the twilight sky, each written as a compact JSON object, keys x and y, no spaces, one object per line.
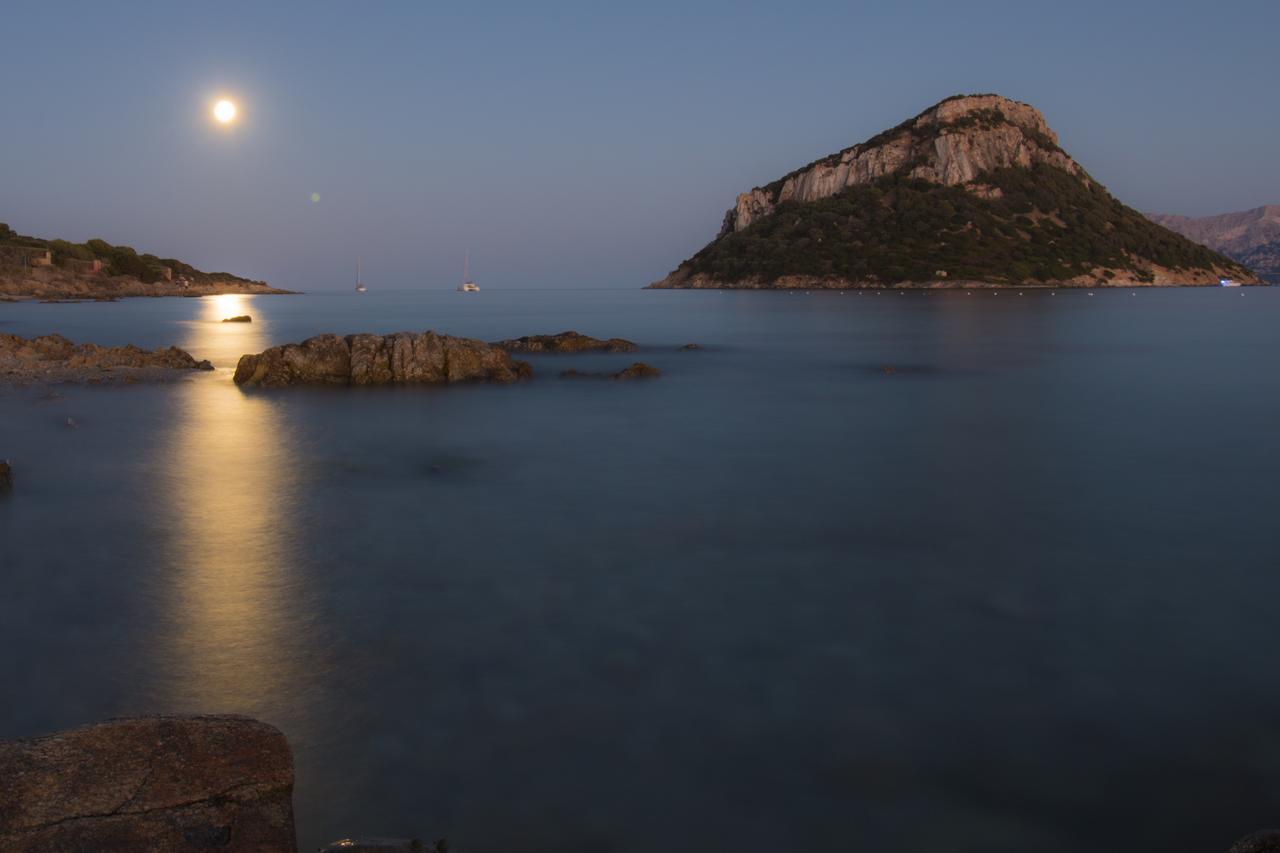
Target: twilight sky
{"x":575,"y":144}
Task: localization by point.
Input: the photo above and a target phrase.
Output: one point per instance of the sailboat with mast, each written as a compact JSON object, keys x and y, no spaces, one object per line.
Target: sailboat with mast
{"x":360,"y":288}
{"x":467,"y":286}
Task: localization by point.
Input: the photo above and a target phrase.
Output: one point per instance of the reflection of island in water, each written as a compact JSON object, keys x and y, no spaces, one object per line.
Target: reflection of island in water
{"x":234,"y":637}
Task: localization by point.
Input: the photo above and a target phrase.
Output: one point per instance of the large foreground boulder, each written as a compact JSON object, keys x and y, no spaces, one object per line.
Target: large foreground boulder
{"x":403,"y":358}
{"x":566,"y":342}
{"x":154,"y":783}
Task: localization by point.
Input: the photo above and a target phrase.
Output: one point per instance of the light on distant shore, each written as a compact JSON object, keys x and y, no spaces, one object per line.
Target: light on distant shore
{"x":224,"y":111}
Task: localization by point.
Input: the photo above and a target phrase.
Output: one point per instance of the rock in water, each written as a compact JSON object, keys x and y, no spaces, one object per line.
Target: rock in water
{"x":974,"y":189}
{"x":6,"y":475}
{"x":175,"y":784}
{"x":566,"y":342}
{"x":639,"y":370}
{"x":53,"y":358}
{"x":243,"y":318}
{"x":404,"y":358}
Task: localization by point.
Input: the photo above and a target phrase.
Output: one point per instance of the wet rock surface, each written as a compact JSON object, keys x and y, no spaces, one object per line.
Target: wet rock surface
{"x":566,"y":342}
{"x":53,"y":358}
{"x":150,"y":783}
{"x":403,"y":358}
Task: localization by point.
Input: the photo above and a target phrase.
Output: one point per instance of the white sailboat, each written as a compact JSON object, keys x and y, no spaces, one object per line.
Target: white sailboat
{"x":467,"y":286}
{"x":360,"y":288}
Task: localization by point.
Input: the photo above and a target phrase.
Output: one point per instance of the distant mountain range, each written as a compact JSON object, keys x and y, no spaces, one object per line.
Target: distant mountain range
{"x":974,"y":190}
{"x":1251,"y":237}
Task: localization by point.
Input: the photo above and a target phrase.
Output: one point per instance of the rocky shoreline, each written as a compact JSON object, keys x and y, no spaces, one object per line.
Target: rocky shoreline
{"x":55,"y":359}
{"x":683,"y":280}
{"x":184,"y":784}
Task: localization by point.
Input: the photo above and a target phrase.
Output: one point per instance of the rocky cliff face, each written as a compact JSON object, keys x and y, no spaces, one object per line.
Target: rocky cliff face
{"x":974,"y":190}
{"x":1251,"y":237}
{"x":950,"y":144}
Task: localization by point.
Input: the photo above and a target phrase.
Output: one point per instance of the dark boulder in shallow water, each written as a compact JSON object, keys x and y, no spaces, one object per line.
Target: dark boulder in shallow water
{"x":566,"y":342}
{"x":151,"y":783}
{"x":639,"y":370}
{"x":404,"y":358}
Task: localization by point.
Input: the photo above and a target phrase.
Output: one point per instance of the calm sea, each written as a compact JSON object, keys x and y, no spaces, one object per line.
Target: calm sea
{"x":1019,"y":594}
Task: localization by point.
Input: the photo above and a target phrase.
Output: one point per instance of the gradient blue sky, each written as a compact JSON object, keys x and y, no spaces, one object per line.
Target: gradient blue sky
{"x":575,"y":144}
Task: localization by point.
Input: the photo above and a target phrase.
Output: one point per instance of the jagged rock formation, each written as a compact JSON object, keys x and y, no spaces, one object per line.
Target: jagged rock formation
{"x":1251,"y":237}
{"x":53,"y":358}
{"x":401,"y":359}
{"x":973,"y":190}
{"x":566,"y":342}
{"x":178,"y":784}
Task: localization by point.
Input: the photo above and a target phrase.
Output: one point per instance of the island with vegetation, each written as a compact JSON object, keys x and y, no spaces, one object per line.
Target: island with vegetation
{"x":974,"y":191}
{"x":37,"y":268}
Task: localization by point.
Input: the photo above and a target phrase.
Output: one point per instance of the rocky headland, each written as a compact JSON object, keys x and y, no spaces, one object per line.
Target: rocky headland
{"x":54,"y":359}
{"x":62,"y":271}
{"x":404,"y":358}
{"x":974,"y":190}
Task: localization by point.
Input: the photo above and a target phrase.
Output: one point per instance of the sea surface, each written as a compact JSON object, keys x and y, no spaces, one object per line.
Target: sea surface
{"x":1019,"y":593}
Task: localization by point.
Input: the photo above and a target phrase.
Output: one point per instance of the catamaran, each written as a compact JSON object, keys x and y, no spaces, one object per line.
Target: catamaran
{"x":360,"y":288}
{"x":467,"y":286}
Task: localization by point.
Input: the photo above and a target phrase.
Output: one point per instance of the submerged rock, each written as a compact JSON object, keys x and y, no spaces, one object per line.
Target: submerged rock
{"x":176,"y":784}
{"x":243,"y":318}
{"x":6,"y":475}
{"x":566,"y":342}
{"x":403,"y":358}
{"x":639,"y":370}
{"x":53,"y":358}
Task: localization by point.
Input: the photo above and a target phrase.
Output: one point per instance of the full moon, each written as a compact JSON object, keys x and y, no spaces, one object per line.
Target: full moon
{"x":224,"y":111}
